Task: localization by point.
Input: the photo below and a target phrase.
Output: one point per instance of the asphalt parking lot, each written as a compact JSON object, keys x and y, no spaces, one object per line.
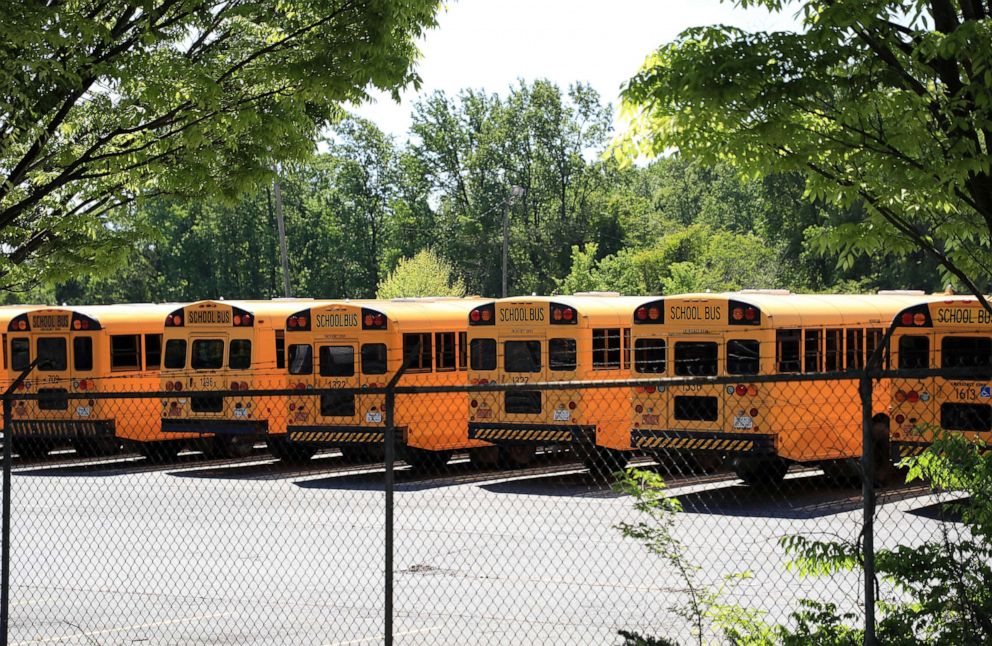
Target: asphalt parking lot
{"x":119,"y":551}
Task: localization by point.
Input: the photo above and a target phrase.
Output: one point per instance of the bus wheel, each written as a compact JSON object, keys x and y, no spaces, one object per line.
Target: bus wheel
{"x":230,"y":447}
{"x":424,"y":460}
{"x":842,"y":473}
{"x":289,"y":452}
{"x":484,"y":457}
{"x":516,"y":456}
{"x":758,"y":472}
{"x":96,"y":447}
{"x":603,"y":463}
{"x":31,"y":449}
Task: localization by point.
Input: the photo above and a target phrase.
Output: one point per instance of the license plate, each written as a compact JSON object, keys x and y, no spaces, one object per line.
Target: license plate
{"x":562,"y":415}
{"x":651,"y":420}
{"x":83,"y":411}
{"x":241,"y":412}
{"x":484,"y":413}
{"x":744,"y":422}
{"x":373,"y":418}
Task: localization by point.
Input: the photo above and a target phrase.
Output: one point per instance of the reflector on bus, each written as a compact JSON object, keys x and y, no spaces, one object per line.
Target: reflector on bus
{"x":743,"y":313}
{"x":299,"y":322}
{"x":483,"y":315}
{"x":653,"y":312}
{"x":916,"y":316}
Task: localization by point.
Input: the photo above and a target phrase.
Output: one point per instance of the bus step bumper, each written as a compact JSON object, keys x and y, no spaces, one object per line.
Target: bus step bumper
{"x":215,"y":426}
{"x":901,"y":450}
{"x":61,"y":429}
{"x":339,"y":435}
{"x":531,"y":433}
{"x":735,"y":443}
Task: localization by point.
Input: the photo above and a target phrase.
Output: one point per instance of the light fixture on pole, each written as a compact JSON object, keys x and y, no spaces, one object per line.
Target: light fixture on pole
{"x":515,"y":193}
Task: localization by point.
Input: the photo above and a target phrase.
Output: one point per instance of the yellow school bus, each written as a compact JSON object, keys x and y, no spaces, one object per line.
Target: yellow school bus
{"x":945,"y":332}
{"x":8,"y":312}
{"x":759,"y":427}
{"x":81,"y":350}
{"x":532,"y":339}
{"x":216,"y":345}
{"x":345,"y":346}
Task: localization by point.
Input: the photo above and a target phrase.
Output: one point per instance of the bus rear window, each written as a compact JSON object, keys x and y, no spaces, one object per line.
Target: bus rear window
{"x":522,"y":356}
{"x":52,"y":354}
{"x":175,"y":354}
{"x":695,"y":359}
{"x":82,"y":354}
{"x":743,"y":357}
{"x":374,"y":359}
{"x":337,"y":361}
{"x":239,"y":354}
{"x":482,"y":354}
{"x":914,"y":352}
{"x":207,"y":354}
{"x":300,"y":359}
{"x":966,"y":352}
{"x":649,"y":356}
{"x":20,"y":354}
{"x":562,"y":354}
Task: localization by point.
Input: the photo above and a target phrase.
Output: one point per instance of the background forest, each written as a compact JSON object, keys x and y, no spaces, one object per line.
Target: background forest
{"x":583,"y":222}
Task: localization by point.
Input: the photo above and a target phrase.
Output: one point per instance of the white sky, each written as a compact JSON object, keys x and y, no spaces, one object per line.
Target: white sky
{"x":491,"y":43}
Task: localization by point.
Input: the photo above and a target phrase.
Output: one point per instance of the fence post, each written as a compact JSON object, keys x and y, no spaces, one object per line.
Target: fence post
{"x":868,"y":510}
{"x":5,"y":556}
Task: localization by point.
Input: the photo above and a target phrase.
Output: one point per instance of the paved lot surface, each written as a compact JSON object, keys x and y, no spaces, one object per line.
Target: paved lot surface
{"x":250,"y":552}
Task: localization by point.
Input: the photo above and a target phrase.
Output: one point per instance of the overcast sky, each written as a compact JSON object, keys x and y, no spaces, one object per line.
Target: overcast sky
{"x":491,"y":43}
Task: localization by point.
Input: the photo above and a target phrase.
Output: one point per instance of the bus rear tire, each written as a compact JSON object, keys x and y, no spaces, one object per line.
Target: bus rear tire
{"x":157,"y":452}
{"x":761,"y":472}
{"x":484,"y":457}
{"x":424,"y":460}
{"x":289,"y":452}
{"x":516,"y":456}
{"x":230,"y":446}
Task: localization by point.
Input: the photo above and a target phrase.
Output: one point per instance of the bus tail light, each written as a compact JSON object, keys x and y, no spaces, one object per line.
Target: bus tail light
{"x":241,"y":318}
{"x":301,"y":386}
{"x":373,"y":320}
{"x":900,"y":396}
{"x":753,"y":412}
{"x":563,"y":314}
{"x":483,"y":315}
{"x":571,"y":405}
{"x":752,"y":390}
{"x":638,"y":409}
{"x":175,"y":319}
{"x":743,"y":313}
{"x":474,"y":403}
{"x":653,"y":312}
{"x":917,"y":316}
{"x":900,"y":419}
{"x":650,"y":389}
{"x":299,"y":321}
{"x":178,"y":386}
{"x":741,"y":390}
{"x":169,"y":386}
{"x":912,"y":397}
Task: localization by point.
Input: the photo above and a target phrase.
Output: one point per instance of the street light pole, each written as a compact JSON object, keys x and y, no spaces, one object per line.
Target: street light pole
{"x":515,"y":192}
{"x":281,"y":225}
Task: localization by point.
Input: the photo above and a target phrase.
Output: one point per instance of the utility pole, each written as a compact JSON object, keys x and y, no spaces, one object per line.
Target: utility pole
{"x":281,"y":224}
{"x":515,"y":192}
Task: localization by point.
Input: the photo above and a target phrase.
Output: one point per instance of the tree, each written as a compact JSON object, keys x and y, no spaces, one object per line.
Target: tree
{"x":103,"y":104}
{"x":426,"y":274}
{"x":882,"y":103}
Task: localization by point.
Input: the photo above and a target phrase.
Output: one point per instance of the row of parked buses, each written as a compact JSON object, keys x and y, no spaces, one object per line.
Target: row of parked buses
{"x":329,"y":360}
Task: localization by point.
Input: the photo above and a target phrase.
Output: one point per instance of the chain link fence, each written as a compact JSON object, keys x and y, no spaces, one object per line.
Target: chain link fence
{"x":486,"y":514}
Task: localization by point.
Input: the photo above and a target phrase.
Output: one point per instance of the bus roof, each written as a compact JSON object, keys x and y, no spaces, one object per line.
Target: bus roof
{"x":423,"y":311}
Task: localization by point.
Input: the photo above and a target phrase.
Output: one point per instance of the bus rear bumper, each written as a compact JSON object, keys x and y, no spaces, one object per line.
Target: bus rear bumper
{"x":496,"y":433}
{"x":60,"y":429}
{"x":901,"y":450}
{"x":338,"y":435}
{"x":215,"y":426}
{"x":694,"y":441}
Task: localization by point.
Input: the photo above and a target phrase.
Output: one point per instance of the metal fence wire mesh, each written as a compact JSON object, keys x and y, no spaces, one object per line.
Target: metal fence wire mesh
{"x":266,"y":516}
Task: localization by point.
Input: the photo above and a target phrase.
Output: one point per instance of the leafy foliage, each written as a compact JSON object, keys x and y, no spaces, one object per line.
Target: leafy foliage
{"x":886,"y":104}
{"x":425,"y":274}
{"x":104,"y":105}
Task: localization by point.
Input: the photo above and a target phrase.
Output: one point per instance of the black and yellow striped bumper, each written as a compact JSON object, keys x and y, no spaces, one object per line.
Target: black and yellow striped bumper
{"x":531,"y":433}
{"x":61,"y":429}
{"x":737,"y":443}
{"x":337,"y":435}
{"x":900,"y":450}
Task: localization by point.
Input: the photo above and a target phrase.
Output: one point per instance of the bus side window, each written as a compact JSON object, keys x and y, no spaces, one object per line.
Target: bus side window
{"x":463,"y":350}
{"x":125,"y":352}
{"x":606,"y":349}
{"x":787,"y":350}
{"x":743,"y":357}
{"x":562,"y":354}
{"x":82,"y":354}
{"x":914,"y":352}
{"x":239,"y":354}
{"x":5,"y":352}
{"x":20,"y":354}
{"x":855,"y":349}
{"x":873,"y":339}
{"x":626,"y":348}
{"x":300,"y":359}
{"x":649,"y":356}
{"x":482,"y":354}
{"x":280,"y":349}
{"x":446,"y":355}
{"x":153,"y":351}
{"x":417,"y":352}
{"x":812,"y":351}
{"x":834,"y":350}
{"x":373,"y":358}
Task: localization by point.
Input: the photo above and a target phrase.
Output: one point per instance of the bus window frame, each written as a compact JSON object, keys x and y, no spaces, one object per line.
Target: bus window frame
{"x":165,"y":354}
{"x":192,"y":352}
{"x":490,"y":351}
{"x":330,"y":351}
{"x":45,"y":366}
{"x":230,"y":354}
{"x":76,"y":341}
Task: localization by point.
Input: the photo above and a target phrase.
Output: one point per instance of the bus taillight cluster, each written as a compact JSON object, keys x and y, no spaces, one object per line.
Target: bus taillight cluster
{"x":910,"y":396}
{"x":563,"y":314}
{"x":174,"y":320}
{"x":176,"y":386}
{"x":483,"y":315}
{"x":652,"y":314}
